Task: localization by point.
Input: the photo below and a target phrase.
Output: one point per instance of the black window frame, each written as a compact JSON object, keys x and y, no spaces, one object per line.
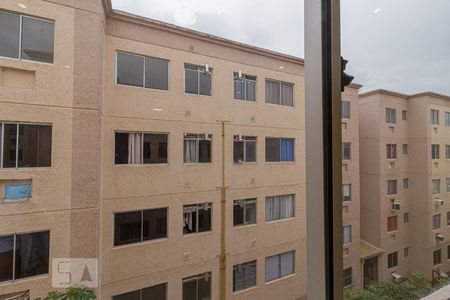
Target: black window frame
{"x":392,"y":259}
{"x":243,"y":203}
{"x":207,"y":277}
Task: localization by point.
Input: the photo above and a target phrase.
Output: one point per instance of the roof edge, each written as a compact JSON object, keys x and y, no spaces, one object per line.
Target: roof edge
{"x":405,"y":96}
{"x":122,"y":15}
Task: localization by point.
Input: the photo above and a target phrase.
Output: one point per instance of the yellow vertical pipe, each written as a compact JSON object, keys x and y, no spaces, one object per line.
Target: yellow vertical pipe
{"x":223,"y":256}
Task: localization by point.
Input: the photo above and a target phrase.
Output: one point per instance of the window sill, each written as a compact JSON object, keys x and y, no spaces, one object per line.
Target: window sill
{"x":196,"y":95}
{"x":279,"y":279}
{"x":244,"y":226}
{"x":141,"y":243}
{"x":141,"y":87}
{"x":26,"y":169}
{"x":280,"y":162}
{"x":198,"y":164}
{"x":140,"y":165}
{"x":245,"y":290}
{"x":23,"y":280}
{"x":11,"y":201}
{"x":289,"y":106}
{"x":280,"y":220}
{"x":250,"y":163}
{"x":28,"y":61}
{"x":245,"y":101}
{"x":186,"y":235}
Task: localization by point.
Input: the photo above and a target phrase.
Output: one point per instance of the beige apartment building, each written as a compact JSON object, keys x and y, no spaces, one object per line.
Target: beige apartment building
{"x":174,"y":157}
{"x":405,"y":183}
{"x":351,"y":187}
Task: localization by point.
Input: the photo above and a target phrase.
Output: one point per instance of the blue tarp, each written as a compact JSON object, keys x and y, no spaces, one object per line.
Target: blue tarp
{"x":17,"y":191}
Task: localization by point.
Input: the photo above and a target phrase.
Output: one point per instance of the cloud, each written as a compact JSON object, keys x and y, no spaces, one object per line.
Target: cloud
{"x":400,"y":45}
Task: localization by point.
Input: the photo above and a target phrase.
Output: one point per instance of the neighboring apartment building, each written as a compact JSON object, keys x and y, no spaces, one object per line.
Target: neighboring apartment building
{"x":405,"y":183}
{"x":350,"y":187}
{"x":174,"y":157}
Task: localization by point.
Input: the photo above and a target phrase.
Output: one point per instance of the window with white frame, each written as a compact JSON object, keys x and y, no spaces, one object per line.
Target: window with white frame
{"x":347,"y":234}
{"x":392,"y":187}
{"x":391,"y":151}
{"x":198,"y":80}
{"x":436,"y":221}
{"x":25,"y":145}
{"x":279,"y":149}
{"x":197,"y":148}
{"x":435,"y":151}
{"x":244,"y":212}
{"x":278,"y":92}
{"x":244,"y":87}
{"x":142,"y":71}
{"x":345,"y":109}
{"x":347,"y":277}
{"x":244,"y":276}
{"x":197,"y":287}
{"x":25,"y":37}
{"x":244,"y":149}
{"x":435,"y":117}
{"x":24,"y":255}
{"x":280,"y":265}
{"x":346,"y":192}
{"x":156,"y":292}
{"x":197,"y":218}
{"x":436,"y":186}
{"x":140,"y":148}
{"x":390,"y":115}
{"x":280,"y":207}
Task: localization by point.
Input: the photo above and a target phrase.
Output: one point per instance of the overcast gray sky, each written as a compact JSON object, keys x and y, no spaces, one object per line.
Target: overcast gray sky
{"x":400,"y":45}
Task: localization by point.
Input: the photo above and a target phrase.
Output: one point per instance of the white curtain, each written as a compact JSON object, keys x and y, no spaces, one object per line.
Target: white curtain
{"x":135,"y":148}
{"x":286,"y":206}
{"x":190,"y":151}
{"x":287,"y":94}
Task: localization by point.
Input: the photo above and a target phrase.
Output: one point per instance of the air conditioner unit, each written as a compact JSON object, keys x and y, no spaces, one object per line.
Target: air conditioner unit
{"x":438,"y":202}
{"x":207,"y":68}
{"x":208,"y":137}
{"x":396,"y":206}
{"x":396,"y":277}
{"x":240,"y":137}
{"x":439,"y":237}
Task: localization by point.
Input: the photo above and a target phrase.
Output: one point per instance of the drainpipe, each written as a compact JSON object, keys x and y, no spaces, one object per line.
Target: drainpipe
{"x":223,"y":254}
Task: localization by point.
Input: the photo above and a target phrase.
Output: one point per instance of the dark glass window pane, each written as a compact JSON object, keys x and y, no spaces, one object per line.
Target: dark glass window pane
{"x":190,"y":288}
{"x":191,"y":80}
{"x":287,"y":94}
{"x":272,"y":149}
{"x":250,"y":89}
{"x":9,"y":145}
{"x":135,"y":295}
{"x":9,"y":35}
{"x":204,"y":287}
{"x":155,"y":224}
{"x":204,"y":151}
{"x":155,"y":148}
{"x":250,"y":274}
{"x":32,"y":254}
{"x":157,"y":292}
{"x":250,"y":152}
{"x":127,"y":228}
{"x":272,"y":92}
{"x":37,"y":39}
{"x":204,"y":219}
{"x":121,"y":155}
{"x":130,"y":69}
{"x":238,"y":214}
{"x":35,"y":146}
{"x":205,"y":83}
{"x":6,"y":257}
{"x":238,"y":278}
{"x":156,"y":73}
{"x":238,"y":152}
